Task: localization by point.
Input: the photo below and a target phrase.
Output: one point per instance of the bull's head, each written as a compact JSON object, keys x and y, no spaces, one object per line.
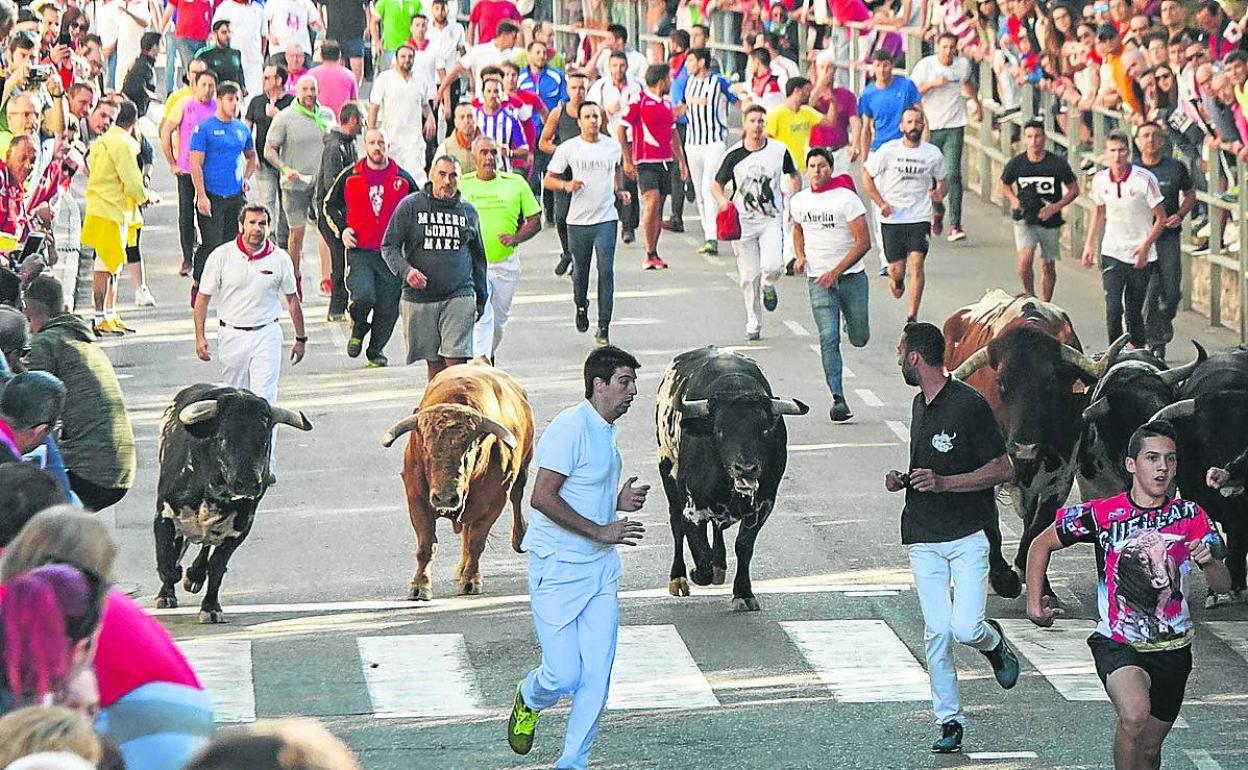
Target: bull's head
{"x":1219,"y":422}
{"x":240,"y":426}
{"x":740,"y":425}
{"x":453,"y":437}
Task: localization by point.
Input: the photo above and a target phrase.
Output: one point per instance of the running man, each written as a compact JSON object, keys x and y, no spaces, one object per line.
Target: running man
{"x":903,"y":178}
{"x":573,"y":530}
{"x":563,"y":124}
{"x":1165,"y":289}
{"x":706,"y":99}
{"x":1146,"y":545}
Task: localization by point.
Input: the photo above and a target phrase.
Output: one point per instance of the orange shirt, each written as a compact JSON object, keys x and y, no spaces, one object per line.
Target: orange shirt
{"x":1123,"y":82}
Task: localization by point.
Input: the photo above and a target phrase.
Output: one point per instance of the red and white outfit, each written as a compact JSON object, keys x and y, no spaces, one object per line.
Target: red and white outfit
{"x":1128,"y":206}
{"x":652,"y":122}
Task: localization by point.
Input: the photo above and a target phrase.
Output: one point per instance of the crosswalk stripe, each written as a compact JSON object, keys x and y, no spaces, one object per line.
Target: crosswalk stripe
{"x":899,"y":429}
{"x":860,"y":661}
{"x":1201,"y":759}
{"x":224,"y":668}
{"x":1233,"y":633}
{"x":654,"y":670}
{"x":1060,"y":654}
{"x":420,"y":675}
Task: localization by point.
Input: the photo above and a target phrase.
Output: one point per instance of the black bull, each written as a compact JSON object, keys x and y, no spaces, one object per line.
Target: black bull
{"x":722,"y":453}
{"x":214,"y":461}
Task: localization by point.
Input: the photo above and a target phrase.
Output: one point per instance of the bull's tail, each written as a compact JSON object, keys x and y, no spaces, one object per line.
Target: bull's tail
{"x":518,"y":523}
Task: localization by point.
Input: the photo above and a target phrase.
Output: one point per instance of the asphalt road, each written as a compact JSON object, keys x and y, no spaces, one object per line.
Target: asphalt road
{"x":314,"y":597}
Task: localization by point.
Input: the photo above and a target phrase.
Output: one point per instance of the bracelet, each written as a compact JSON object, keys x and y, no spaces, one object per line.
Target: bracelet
{"x":301,"y":339}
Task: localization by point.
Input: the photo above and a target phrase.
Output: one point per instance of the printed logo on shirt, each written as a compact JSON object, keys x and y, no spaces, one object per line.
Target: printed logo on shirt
{"x":757,"y":195}
{"x":443,"y":230}
{"x":375,"y":194}
{"x":943,"y":442}
{"x":1044,"y":185}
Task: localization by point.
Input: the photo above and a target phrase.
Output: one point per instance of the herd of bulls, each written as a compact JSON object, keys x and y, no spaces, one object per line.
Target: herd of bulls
{"x":722,"y":449}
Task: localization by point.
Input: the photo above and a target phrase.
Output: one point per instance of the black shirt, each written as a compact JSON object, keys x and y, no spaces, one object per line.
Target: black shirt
{"x":956,"y":433}
{"x":139,"y":84}
{"x":1038,"y":184}
{"x":1173,"y":178}
{"x":261,"y":120}
{"x":344,"y":19}
{"x":227,"y":63}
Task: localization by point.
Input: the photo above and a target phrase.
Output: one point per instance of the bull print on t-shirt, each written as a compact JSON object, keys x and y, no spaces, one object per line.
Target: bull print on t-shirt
{"x":757,"y":195}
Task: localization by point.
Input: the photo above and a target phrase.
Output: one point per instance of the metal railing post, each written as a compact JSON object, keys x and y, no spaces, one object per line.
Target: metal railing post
{"x":1242,"y":209}
{"x":985,"y":131}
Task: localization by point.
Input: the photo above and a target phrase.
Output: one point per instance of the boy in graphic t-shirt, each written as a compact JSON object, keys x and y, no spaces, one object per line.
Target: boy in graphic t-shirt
{"x":1146,"y":545}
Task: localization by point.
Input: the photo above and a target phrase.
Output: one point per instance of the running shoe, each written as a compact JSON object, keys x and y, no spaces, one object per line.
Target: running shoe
{"x":674,"y":225}
{"x":710,"y":247}
{"x":659,"y":264}
{"x":950,"y":740}
{"x":753,"y":336}
{"x":582,"y":319}
{"x":770,"y":298}
{"x":840,"y":410}
{"x":335,"y":318}
{"x":565,"y":261}
{"x":1004,"y":661}
{"x":521,"y":726}
{"x":629,"y":236}
{"x":377,"y":361}
{"x":105,"y":329}
{"x":956,"y":234}
{"x":600,"y":336}
{"x":185,"y":270}
{"x":938,"y":218}
{"x":120,"y":326}
{"x":354,"y":346}
{"x":143,"y":297}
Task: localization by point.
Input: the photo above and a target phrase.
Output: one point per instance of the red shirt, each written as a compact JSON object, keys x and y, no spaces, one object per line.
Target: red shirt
{"x":652,"y":121}
{"x":194,"y":18}
{"x":488,"y":13}
{"x":764,"y":84}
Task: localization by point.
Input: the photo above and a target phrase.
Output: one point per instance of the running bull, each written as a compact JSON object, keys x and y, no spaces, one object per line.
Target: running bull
{"x":1024,"y":357}
{"x":469,"y":453}
{"x":1211,"y":417}
{"x":214,"y":469}
{"x":722,"y":453}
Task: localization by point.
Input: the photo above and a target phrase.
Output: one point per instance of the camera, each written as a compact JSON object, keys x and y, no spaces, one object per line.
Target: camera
{"x":39,"y":73}
{"x":1017,"y":214}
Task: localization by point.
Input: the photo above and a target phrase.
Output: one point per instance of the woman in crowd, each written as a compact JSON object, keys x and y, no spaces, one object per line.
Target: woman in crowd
{"x":36,"y":729}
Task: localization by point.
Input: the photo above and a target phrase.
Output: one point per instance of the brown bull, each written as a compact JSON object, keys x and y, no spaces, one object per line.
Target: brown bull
{"x":469,"y":453}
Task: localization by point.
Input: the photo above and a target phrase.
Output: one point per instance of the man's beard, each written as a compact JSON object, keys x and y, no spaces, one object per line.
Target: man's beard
{"x":909,"y":374}
{"x":914,"y":136}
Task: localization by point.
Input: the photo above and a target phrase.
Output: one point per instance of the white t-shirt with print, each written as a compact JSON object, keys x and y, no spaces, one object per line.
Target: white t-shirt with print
{"x":1128,"y":211}
{"x":289,"y":21}
{"x":903,"y":176}
{"x":824,"y":218}
{"x":594,"y":164}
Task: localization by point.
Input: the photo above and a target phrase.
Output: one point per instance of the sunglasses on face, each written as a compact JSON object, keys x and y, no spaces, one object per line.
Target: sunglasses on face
{"x":1164,"y":76}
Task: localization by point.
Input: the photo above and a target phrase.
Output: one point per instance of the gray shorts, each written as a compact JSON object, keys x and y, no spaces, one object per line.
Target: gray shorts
{"x":1049,"y":239}
{"x":435,"y":330}
{"x":295,"y":204}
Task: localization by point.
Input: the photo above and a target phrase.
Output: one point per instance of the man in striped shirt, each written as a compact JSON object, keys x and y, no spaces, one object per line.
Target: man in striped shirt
{"x":501,"y":125}
{"x":705,"y":104}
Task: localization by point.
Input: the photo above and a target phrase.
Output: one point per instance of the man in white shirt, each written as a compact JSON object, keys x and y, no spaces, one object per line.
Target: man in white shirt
{"x":1129,"y":207}
{"x":617,"y":40}
{"x":944,"y":80}
{"x":447,"y":41}
{"x":903,"y":178}
{"x":613,"y":94}
{"x":830,"y":239}
{"x":402,"y":98}
{"x":477,"y":58}
{"x":595,"y":183}
{"x":247,"y":31}
{"x":132,"y":19}
{"x":573,"y":531}
{"x":289,"y":22}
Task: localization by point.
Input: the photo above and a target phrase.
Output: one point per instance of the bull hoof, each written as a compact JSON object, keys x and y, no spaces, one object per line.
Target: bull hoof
{"x":420,"y":594}
{"x":470,"y":587}
{"x":192,"y":586}
{"x":718,"y":576}
{"x":745,"y":604}
{"x":678,"y":587}
{"x":166,"y":602}
{"x":211,"y":616}
{"x":700,"y":577}
{"x":1005,"y":582}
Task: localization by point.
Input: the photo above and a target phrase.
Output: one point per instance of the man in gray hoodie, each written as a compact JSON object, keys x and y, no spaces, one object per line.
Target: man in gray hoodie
{"x":433,"y":243}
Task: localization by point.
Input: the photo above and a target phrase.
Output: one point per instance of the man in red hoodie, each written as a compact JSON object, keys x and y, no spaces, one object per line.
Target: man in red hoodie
{"x":358,"y":210}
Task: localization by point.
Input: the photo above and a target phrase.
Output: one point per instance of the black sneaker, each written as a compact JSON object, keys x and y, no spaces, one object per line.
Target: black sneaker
{"x":1004,"y":661}
{"x":582,"y":319}
{"x":690,"y":192}
{"x":950,"y":740}
{"x":840,"y":410}
{"x":629,"y":235}
{"x":354,"y":346}
{"x":565,"y":261}
{"x":674,"y":225}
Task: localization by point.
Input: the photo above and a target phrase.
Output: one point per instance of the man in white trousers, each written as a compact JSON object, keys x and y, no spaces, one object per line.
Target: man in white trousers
{"x":510,"y":215}
{"x":574,"y":568}
{"x":705,"y":105}
{"x":249,"y":276}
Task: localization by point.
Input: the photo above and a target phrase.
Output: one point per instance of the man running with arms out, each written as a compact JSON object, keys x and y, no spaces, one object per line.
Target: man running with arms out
{"x":904,"y":177}
{"x":830,"y":239}
{"x":957,"y":456}
{"x":1033,"y":183}
{"x":1143,"y":538}
{"x":574,"y":568}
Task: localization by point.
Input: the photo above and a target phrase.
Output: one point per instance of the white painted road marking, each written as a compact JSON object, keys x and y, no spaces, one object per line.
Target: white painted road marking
{"x":654,"y":670}
{"x":868,"y":397}
{"x":422,"y":675}
{"x":844,"y":445}
{"x":797,"y":328}
{"x":899,"y":430}
{"x":1201,"y":759}
{"x":999,"y":755}
{"x":224,"y":668}
{"x":1233,"y":633}
{"x":1060,"y":654}
{"x":860,"y":661}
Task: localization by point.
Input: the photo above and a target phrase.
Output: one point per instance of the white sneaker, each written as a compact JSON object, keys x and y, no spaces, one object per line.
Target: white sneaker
{"x":143,"y":298}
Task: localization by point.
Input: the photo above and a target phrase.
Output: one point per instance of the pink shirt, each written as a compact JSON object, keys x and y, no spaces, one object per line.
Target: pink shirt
{"x":194,"y":113}
{"x":134,"y":650}
{"x":336,"y":86}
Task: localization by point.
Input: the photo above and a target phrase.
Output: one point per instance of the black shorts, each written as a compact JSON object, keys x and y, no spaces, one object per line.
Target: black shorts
{"x":1167,"y":669}
{"x":352,"y":48}
{"x":654,"y":176}
{"x":900,"y":241}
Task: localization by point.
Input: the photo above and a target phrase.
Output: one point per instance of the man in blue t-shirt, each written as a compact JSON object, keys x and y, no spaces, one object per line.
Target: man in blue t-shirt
{"x":216,"y":146}
{"x":882,"y":103}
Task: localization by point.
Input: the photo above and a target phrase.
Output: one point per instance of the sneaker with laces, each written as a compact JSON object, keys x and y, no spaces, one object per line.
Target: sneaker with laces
{"x":143,"y":297}
{"x":770,"y":298}
{"x":601,"y":337}
{"x":938,"y":218}
{"x":710,"y":248}
{"x":582,"y":319}
{"x":1004,"y":661}
{"x":956,"y":234}
{"x":354,"y":346}
{"x":120,"y":326}
{"x":840,"y":410}
{"x":950,"y":739}
{"x":522,"y":725}
{"x":565,"y":261}
{"x":377,"y":361}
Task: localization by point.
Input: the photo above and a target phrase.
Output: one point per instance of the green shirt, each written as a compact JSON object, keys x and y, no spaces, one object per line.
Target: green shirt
{"x":396,"y":21}
{"x":502,"y":203}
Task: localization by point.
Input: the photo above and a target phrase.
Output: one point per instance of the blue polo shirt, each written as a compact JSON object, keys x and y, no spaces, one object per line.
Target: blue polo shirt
{"x":223,"y":145}
{"x":679,"y":82}
{"x":551,"y":85}
{"x":885,"y":105}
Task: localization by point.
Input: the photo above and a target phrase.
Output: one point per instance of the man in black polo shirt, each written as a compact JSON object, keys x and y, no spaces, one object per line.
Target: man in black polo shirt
{"x":957,"y":456}
{"x":1165,"y":287}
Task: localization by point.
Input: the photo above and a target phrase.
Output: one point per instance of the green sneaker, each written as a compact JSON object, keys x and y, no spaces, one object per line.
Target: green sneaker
{"x":377,"y":361}
{"x":770,"y":298}
{"x":354,"y":346}
{"x":521,"y":725}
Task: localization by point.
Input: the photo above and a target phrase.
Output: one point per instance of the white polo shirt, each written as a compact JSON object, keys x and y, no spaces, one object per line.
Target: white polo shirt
{"x":247,"y":292}
{"x":825,"y":218}
{"x":402,"y":101}
{"x":1128,"y":211}
{"x":579,"y":445}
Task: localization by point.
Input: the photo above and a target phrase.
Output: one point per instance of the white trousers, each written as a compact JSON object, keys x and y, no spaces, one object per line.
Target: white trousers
{"x":760,"y":263}
{"x":487,"y":333}
{"x":409,"y":153}
{"x":704,"y":160}
{"x":955,"y":615}
{"x":253,"y":360}
{"x":576,"y":613}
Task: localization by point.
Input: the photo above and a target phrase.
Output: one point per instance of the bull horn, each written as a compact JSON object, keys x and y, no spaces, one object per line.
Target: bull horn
{"x":788,"y":406}
{"x":1176,"y":411}
{"x":399,"y":428}
{"x":1173,"y":377}
{"x":290,"y":417}
{"x":695,"y":408}
{"x":198,"y":411}
{"x":1096,"y":410}
{"x":977,"y":361}
{"x":499,"y":430}
{"x":1094,"y":369}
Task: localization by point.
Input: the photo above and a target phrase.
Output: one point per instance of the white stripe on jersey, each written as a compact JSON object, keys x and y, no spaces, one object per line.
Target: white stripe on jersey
{"x":708,"y":123}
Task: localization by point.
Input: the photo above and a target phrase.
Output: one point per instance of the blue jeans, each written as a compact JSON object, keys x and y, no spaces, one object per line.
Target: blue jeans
{"x":584,"y":240}
{"x":950,"y":142}
{"x":186,"y":51}
{"x":171,"y":63}
{"x":848,"y":297}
